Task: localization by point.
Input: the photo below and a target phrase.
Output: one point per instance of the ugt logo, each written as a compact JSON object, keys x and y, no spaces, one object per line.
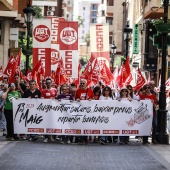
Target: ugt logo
{"x":68,"y":35}
{"x":41,"y":33}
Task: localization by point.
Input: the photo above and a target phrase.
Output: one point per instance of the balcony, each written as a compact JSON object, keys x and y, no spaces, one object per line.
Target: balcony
{"x":5,"y":6}
{"x":152,"y":10}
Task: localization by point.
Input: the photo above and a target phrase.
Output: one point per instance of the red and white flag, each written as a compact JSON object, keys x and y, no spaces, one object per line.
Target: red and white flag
{"x":106,"y":75}
{"x":88,"y":70}
{"x":10,"y":68}
{"x":140,"y":81}
{"x":95,"y":72}
{"x":68,"y":45}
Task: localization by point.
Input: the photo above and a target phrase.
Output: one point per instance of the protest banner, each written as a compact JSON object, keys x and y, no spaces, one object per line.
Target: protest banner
{"x":95,"y":117}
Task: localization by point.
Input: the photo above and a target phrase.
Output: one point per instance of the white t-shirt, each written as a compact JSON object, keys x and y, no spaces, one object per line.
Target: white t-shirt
{"x":105,"y":98}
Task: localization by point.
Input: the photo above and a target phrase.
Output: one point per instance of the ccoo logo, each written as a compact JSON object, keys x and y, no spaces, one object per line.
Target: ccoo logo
{"x":41,"y":33}
{"x":68,"y":35}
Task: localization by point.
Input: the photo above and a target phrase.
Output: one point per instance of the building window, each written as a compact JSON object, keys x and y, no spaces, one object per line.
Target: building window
{"x":109,"y":20}
{"x":103,"y":13}
{"x":94,"y":7}
{"x":110,"y":2}
{"x":84,"y":8}
{"x":110,"y":40}
{"x":102,"y":1}
{"x":94,"y":14}
{"x":93,"y":20}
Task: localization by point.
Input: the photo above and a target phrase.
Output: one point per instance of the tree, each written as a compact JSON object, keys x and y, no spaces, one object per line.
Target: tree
{"x":80,"y":21}
{"x":87,"y":40}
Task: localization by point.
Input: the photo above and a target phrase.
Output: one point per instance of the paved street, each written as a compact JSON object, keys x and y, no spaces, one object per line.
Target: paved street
{"x":22,"y":155}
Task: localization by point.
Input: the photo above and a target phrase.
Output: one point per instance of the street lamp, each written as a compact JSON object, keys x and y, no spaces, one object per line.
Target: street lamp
{"x":28,"y":15}
{"x":162,"y":136}
{"x":113,"y":52}
{"x":127,"y":31}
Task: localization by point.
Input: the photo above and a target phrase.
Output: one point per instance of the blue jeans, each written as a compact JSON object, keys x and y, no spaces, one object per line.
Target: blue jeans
{"x":2,"y":121}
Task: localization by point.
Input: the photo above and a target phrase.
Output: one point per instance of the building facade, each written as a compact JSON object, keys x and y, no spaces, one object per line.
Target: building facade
{"x":11,"y":16}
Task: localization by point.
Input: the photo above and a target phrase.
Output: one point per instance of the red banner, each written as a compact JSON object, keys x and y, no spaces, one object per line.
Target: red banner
{"x":42,"y":43}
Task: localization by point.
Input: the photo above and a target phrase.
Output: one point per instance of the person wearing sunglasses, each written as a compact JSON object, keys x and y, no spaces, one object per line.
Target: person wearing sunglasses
{"x":149,"y":96}
{"x":131,"y":93}
{"x":49,"y":93}
{"x":124,"y":95}
{"x":106,"y":95}
{"x":83,"y":93}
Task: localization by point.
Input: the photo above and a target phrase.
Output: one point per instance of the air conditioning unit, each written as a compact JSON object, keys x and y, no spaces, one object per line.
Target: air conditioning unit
{"x":51,"y":8}
{"x":50,"y":13}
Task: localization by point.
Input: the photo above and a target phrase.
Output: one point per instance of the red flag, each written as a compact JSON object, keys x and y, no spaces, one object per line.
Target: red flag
{"x":88,"y":70}
{"x":60,"y":74}
{"x":38,"y":68}
{"x":18,"y":59}
{"x":11,"y":68}
{"x":115,"y":76}
{"x":95,"y":72}
{"x":140,"y":81}
{"x":120,"y":77}
{"x":126,"y":70}
{"x":1,"y":73}
{"x":29,"y":75}
{"x":106,"y":74}
{"x":129,"y":79}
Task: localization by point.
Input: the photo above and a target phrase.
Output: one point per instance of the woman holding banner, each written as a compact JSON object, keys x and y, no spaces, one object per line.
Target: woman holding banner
{"x":124,"y":95}
{"x":106,"y":95}
{"x":9,"y":95}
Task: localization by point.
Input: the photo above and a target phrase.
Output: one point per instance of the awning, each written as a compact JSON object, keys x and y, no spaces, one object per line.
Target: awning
{"x":5,"y":6}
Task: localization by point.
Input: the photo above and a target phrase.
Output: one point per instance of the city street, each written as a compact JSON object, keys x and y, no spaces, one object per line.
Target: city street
{"x":22,"y":155}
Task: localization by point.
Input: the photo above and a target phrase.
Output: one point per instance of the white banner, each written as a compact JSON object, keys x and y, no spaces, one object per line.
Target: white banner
{"x":96,"y":117}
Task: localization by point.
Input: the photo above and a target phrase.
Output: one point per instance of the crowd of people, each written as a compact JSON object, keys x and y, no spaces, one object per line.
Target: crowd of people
{"x":20,"y":89}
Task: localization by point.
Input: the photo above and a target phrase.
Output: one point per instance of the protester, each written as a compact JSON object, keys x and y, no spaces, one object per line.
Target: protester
{"x":124,"y":95}
{"x":31,"y":93}
{"x":5,"y":80}
{"x":84,"y":93}
{"x":131,"y":93}
{"x":49,"y":93}
{"x":149,"y":96}
{"x":106,"y":95}
{"x":9,"y":95}
{"x":97,"y":92}
{"x":27,"y":86}
{"x":20,"y":87}
{"x":64,"y":96}
{"x":2,"y":103}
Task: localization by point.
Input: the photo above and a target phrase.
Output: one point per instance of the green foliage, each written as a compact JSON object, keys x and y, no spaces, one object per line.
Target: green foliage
{"x":159,"y":21}
{"x":80,"y":21}
{"x":38,"y":11}
{"x":82,"y":61}
{"x":87,"y":39}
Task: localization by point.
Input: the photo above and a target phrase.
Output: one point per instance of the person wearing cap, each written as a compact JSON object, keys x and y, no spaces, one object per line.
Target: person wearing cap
{"x":9,"y":95}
